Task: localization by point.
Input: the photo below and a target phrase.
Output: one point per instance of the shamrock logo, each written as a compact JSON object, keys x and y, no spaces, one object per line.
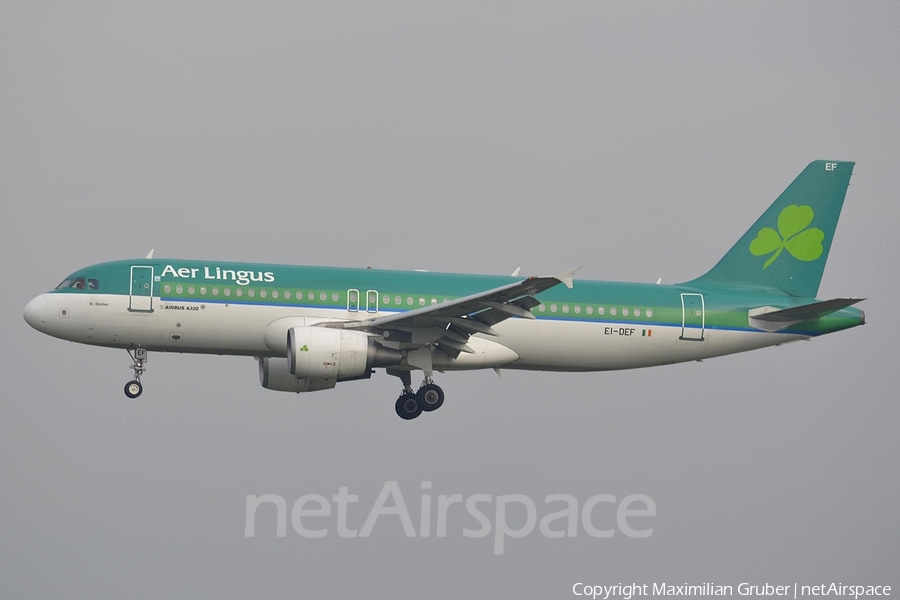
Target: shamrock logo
{"x":305,"y":348}
{"x":802,"y":243}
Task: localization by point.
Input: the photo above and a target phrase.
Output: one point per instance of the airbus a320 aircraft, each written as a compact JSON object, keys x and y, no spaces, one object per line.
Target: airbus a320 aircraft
{"x":312,"y":327}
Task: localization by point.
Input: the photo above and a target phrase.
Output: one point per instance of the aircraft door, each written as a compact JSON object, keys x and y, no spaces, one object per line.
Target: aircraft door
{"x":372,"y":301}
{"x":353,"y":300}
{"x":141,"y":297}
{"x":693,"y":317}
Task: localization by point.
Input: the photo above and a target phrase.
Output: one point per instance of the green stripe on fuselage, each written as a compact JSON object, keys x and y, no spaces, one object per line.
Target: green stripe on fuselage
{"x":657,"y":305}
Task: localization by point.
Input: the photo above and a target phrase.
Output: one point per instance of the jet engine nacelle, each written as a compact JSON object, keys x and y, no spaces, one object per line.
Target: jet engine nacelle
{"x":319,"y":357}
{"x":328,"y":353}
{"x":275,"y":374}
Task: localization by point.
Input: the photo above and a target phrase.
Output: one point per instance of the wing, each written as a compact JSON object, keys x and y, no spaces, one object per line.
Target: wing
{"x":450,"y":324}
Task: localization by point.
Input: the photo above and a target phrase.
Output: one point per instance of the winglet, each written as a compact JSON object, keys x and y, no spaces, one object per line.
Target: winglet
{"x":516,"y":272}
{"x":150,"y":254}
{"x":567,"y":278}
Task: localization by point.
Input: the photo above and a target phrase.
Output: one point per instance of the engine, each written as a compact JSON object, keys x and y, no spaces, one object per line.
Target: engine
{"x":323,"y":352}
{"x":319,"y":357}
{"x":274,"y":374}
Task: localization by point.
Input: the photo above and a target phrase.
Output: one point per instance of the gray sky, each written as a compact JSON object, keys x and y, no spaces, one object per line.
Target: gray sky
{"x":636,"y":140}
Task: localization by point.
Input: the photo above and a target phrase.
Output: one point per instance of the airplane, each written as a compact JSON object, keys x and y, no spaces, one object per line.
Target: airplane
{"x":311,"y":327}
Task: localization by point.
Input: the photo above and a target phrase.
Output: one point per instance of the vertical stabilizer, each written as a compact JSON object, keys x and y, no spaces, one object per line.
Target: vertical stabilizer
{"x":787,"y":247}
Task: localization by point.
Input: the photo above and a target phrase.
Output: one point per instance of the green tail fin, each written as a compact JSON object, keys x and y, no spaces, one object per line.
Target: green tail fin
{"x":787,"y":247}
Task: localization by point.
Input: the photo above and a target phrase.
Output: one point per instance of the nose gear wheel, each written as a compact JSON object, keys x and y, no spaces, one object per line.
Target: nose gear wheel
{"x":133,"y":388}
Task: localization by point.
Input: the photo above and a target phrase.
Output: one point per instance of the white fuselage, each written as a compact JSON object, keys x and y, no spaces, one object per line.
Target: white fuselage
{"x":240,"y":329}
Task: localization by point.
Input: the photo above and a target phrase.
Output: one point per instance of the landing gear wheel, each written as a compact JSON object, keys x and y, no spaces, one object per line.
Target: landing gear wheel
{"x":408,"y":407}
{"x":430,"y":397}
{"x":133,"y":389}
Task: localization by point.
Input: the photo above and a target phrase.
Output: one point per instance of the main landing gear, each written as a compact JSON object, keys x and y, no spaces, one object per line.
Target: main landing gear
{"x":134,"y":388}
{"x":411,"y":404}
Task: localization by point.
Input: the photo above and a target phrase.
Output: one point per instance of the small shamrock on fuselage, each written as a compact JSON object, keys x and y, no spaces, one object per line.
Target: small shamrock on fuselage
{"x":802,"y":243}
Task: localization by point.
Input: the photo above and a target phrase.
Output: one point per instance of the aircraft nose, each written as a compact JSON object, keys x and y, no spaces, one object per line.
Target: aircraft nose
{"x":36,"y":312}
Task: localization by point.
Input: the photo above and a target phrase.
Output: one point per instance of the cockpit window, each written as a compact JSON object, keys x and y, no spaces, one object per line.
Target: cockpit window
{"x":79,"y":283}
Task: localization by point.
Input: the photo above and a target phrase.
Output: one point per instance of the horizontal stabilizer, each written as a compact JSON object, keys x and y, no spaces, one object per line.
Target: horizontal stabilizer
{"x":772,"y":319}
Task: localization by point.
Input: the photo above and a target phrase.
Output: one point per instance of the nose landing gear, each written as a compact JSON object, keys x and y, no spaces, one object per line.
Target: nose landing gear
{"x":134,"y":388}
